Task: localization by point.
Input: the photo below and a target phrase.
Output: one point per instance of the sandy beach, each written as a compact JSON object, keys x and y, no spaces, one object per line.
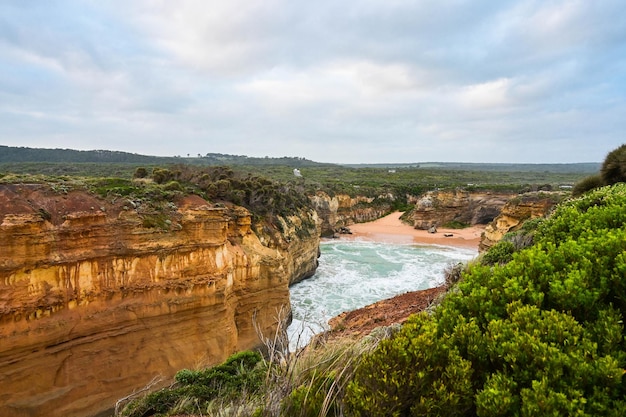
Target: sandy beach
{"x":391,"y":229}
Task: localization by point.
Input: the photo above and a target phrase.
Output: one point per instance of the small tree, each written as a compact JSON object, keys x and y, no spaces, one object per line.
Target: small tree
{"x":587,"y":184}
{"x":614,"y":166}
{"x":141,"y":172}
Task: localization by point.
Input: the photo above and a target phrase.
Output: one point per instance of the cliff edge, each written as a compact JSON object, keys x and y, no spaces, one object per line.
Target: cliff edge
{"x":99,"y":298}
{"x":438,"y":208}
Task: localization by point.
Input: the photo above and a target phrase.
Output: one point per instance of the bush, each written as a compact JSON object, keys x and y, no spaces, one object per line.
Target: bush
{"x":612,"y":171}
{"x":500,"y":253}
{"x":414,"y":373}
{"x":455,"y":224}
{"x":193,"y":390}
{"x":173,"y":186}
{"x":312,"y":399}
{"x":161,"y":175}
{"x":238,"y":372}
{"x":613,"y":168}
{"x":587,"y":184}
{"x":140,"y":172}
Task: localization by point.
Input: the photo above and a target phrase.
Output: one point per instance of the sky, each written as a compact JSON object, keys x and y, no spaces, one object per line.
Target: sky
{"x":352,"y":81}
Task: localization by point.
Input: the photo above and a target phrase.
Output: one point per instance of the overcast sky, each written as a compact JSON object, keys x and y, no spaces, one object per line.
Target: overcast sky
{"x":352,"y":81}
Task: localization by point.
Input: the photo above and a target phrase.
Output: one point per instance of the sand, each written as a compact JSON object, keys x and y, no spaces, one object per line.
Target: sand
{"x":391,"y":229}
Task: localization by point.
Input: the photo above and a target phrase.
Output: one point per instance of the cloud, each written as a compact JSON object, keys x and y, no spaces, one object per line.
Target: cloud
{"x":353,"y":81}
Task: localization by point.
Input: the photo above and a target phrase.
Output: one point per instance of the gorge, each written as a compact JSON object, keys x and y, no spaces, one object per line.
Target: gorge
{"x":100,"y":296}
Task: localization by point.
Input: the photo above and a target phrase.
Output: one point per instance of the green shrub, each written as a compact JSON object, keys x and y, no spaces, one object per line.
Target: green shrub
{"x":140,"y":172}
{"x":417,"y":372}
{"x":162,"y":175}
{"x":194,"y":390}
{"x":500,"y":253}
{"x":173,"y":186}
{"x":237,"y":372}
{"x":114,"y":186}
{"x":312,"y":399}
{"x":455,"y":224}
{"x":612,"y":171}
{"x":587,"y":184}
{"x":613,"y":168}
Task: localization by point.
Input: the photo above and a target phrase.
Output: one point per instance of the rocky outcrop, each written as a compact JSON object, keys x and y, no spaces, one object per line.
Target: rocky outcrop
{"x":515,"y":212}
{"x":342,"y":210}
{"x":438,"y":208}
{"x":95,"y":301}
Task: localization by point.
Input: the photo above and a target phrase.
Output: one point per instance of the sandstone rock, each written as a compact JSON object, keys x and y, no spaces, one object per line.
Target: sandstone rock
{"x":94,"y":304}
{"x":516,"y":211}
{"x":437,"y":208}
{"x":342,"y":210}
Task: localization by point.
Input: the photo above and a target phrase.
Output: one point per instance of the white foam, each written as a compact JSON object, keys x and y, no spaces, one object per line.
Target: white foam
{"x":353,"y":274}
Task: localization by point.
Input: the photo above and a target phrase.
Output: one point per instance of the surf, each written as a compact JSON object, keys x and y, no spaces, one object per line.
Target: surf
{"x":355,"y":273}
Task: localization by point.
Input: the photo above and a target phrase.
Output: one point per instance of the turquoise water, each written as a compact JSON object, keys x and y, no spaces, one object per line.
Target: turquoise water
{"x":353,"y":274}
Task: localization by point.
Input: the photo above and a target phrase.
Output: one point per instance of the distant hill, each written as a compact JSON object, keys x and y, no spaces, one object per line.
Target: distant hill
{"x":582,"y":167}
{"x":12,"y":155}
{"x":18,"y":155}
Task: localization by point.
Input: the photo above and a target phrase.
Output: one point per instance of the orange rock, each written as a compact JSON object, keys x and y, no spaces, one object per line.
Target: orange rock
{"x":94,"y":305}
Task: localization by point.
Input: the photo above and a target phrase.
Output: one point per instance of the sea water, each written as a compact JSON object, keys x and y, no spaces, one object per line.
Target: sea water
{"x":353,"y":274}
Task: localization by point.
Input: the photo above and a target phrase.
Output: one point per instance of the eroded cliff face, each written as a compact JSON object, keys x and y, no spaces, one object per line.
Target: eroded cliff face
{"x":342,"y":210}
{"x":94,"y":304}
{"x":515,"y":212}
{"x":437,"y":208}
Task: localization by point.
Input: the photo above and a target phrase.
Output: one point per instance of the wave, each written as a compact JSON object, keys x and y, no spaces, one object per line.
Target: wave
{"x":353,"y":274}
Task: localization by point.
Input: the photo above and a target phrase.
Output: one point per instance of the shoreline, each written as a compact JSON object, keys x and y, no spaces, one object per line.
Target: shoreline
{"x":390,"y":229}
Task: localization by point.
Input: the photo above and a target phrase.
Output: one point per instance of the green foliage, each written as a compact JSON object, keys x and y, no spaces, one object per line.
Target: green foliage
{"x":194,"y":390}
{"x":503,"y":251}
{"x":612,"y":171}
{"x":162,"y":175}
{"x":310,"y":400}
{"x":613,"y":168}
{"x":155,"y":220}
{"x":234,"y":374}
{"x":113,"y":186}
{"x":414,"y":373}
{"x":455,"y":224}
{"x":500,"y":253}
{"x":315,"y":379}
{"x":140,"y":172}
{"x":587,"y":184}
{"x":173,"y":186}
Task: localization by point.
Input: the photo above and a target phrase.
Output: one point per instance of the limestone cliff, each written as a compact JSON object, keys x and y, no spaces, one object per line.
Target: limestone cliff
{"x":515,"y":212}
{"x":438,"y":208}
{"x":342,"y":210}
{"x":94,"y":303}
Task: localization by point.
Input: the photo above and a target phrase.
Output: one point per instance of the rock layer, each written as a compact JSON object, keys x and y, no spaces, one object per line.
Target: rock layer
{"x":94,"y":305}
{"x":438,"y":208}
{"x":343,"y":210}
{"x":515,"y":212}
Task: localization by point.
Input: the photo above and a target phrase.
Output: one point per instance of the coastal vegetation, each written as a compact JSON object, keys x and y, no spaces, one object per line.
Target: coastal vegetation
{"x":390,"y":186}
{"x":541,"y":334}
{"x":612,"y":171}
{"x":159,"y":188}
